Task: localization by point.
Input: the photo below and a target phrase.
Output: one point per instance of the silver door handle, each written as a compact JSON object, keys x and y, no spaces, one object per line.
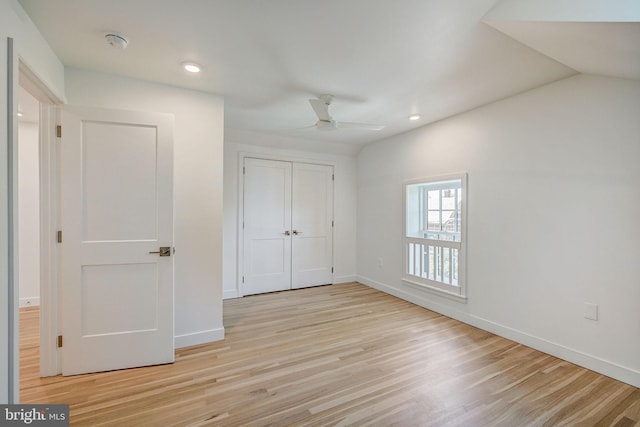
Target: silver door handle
{"x":164,"y":251}
{"x":296,"y":232}
{"x":287,"y":233}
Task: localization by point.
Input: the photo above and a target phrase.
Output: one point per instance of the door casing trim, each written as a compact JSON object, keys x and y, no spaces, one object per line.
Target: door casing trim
{"x":48,"y":154}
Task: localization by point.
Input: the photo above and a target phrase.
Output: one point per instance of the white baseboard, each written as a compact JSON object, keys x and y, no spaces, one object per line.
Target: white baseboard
{"x":604,"y":367}
{"x":344,"y":279}
{"x":196,"y":338}
{"x":229,"y":294}
{"x":29,"y":302}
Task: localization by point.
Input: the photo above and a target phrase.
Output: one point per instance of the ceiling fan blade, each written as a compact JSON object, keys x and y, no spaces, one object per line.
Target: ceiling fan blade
{"x":363,"y":126}
{"x":321,"y":108}
{"x":305,"y":127}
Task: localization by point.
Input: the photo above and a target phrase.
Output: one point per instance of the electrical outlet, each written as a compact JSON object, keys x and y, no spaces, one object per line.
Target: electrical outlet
{"x":590,"y":311}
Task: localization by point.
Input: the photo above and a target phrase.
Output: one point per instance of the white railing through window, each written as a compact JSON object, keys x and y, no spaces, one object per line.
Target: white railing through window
{"x":434,"y":260}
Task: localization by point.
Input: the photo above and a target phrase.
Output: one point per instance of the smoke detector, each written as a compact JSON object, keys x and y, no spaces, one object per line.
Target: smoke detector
{"x":119,"y":41}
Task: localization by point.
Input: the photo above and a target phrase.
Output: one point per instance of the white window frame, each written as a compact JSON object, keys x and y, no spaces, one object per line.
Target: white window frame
{"x":457,"y":292}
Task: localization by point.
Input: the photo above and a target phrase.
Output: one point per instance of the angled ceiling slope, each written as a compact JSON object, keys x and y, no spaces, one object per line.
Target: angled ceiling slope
{"x":383,"y":60}
{"x":591,"y":36}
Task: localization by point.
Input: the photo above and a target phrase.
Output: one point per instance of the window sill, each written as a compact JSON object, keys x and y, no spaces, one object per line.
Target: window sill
{"x":436,"y":291}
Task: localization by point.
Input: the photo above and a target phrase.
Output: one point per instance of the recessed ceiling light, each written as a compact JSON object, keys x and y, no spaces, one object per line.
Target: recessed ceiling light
{"x":414,"y":117}
{"x":20,"y":114}
{"x":191,"y":67}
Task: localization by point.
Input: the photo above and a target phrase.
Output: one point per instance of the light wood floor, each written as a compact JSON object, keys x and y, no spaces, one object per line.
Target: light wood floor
{"x":338,"y":355}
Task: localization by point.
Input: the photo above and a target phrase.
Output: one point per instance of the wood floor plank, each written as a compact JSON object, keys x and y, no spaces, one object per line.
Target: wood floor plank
{"x":338,"y":355}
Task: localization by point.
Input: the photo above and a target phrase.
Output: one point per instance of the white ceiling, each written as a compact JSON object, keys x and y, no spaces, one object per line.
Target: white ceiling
{"x":381,"y":59}
{"x":605,"y":48}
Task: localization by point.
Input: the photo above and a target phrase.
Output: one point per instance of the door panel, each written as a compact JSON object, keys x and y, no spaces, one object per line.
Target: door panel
{"x":119,"y":156}
{"x":102,"y":306}
{"x":267,"y":225}
{"x":116,"y":208}
{"x":312,"y":224}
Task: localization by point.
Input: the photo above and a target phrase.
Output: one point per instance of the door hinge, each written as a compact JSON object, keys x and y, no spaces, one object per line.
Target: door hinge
{"x":332,"y":224}
{"x":332,"y":269}
{"x":59,"y":341}
{"x":59,"y":237}
{"x":244,"y":170}
{"x":59,"y":131}
{"x":333,"y":177}
{"x":242,"y":279}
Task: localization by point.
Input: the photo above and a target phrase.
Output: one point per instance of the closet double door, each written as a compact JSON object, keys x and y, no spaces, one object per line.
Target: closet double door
{"x":287,"y":225}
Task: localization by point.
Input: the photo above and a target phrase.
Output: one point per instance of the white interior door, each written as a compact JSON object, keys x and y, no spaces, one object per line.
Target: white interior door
{"x":116,"y":210}
{"x":312,"y":225}
{"x":267,"y":226}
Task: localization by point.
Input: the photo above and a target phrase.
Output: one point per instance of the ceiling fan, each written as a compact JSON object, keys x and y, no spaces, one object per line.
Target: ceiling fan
{"x":326,"y":122}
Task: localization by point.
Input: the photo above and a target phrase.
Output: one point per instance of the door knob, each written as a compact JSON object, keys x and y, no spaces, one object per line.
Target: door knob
{"x":164,"y":251}
{"x":287,"y":233}
{"x":296,"y":232}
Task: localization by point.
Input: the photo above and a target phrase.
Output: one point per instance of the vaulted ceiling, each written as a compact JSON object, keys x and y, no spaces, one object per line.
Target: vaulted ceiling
{"x":381,"y":59}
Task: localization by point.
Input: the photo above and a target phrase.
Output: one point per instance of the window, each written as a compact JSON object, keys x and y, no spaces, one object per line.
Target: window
{"x":434,"y":234}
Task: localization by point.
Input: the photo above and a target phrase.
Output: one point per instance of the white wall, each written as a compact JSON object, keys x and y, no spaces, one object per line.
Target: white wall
{"x":34,"y":51}
{"x":344,"y":207}
{"x":29,"y":214}
{"x":198,"y":154}
{"x":31,"y":47}
{"x":553,"y":208}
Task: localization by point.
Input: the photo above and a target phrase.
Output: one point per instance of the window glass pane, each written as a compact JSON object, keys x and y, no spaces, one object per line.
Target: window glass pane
{"x":433,"y":199}
{"x":433,"y":220}
{"x":449,"y":221}
{"x":449,"y":199}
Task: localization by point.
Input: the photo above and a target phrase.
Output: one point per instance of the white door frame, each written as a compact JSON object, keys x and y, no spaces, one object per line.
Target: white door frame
{"x":48,"y":154}
{"x":240,"y":231}
{"x":19,"y":74}
{"x":9,"y":357}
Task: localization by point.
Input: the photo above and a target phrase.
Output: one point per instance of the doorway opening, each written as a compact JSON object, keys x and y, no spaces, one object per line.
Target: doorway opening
{"x":36,"y":201}
{"x":29,"y":230}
